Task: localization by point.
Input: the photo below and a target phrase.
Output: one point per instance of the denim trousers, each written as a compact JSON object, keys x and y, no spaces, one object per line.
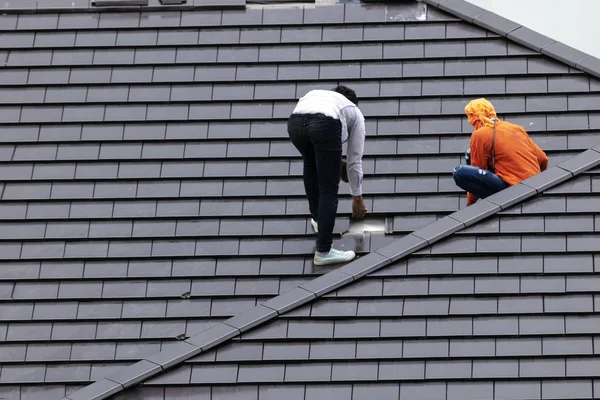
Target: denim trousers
{"x":480,"y":182}
{"x":318,"y":138}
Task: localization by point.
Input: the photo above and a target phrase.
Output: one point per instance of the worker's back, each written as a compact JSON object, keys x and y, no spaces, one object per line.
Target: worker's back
{"x":517,"y":157}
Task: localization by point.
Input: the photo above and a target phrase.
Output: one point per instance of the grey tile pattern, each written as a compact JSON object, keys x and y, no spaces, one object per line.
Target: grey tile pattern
{"x":161,"y":213}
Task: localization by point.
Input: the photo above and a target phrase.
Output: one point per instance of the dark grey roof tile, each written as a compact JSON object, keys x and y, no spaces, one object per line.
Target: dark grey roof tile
{"x":261,"y":373}
{"x":473,"y":306}
{"x":101,"y":310}
{"x":538,"y":284}
{"x":507,"y":66}
{"x":33,"y":21}
{"x":68,"y":373}
{"x":567,"y":346}
{"x":8,"y":22}
{"x":466,"y":67}
{"x":313,"y":372}
{"x":23,"y":373}
{"x":580,"y":283}
{"x":542,"y":368}
{"x":49,"y":352}
{"x":472,"y":348}
{"x":518,"y":347}
{"x":449,"y":327}
{"x":457,"y":369}
{"x":354,"y":371}
{"x":333,"y":350}
{"x":495,"y":326}
{"x":95,"y":75}
{"x":198,"y":228}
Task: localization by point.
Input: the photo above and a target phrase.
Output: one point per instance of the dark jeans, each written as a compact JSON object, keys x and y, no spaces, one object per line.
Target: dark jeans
{"x":319,"y":139}
{"x":480,"y":182}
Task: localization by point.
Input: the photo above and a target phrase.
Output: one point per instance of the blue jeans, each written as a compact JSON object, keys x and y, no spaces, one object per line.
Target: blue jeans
{"x":319,"y":139}
{"x":480,"y":182}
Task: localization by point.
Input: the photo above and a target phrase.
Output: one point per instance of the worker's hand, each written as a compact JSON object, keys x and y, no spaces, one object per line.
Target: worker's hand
{"x":358,"y":207}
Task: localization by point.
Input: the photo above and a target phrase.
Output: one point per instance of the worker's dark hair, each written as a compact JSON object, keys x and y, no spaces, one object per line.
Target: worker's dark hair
{"x":347,"y":92}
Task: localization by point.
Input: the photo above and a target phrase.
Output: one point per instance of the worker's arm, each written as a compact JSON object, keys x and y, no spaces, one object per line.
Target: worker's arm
{"x":540,"y":154}
{"x":355,"y":149}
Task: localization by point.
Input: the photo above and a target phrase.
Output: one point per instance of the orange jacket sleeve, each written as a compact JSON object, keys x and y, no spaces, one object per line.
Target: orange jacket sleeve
{"x":541,"y":155}
{"x":479,"y":159}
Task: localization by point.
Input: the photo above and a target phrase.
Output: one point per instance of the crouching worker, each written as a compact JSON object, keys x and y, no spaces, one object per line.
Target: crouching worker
{"x":320,"y":123}
{"x":501,"y":154}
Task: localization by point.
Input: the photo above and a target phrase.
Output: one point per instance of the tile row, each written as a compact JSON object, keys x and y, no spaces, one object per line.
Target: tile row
{"x":212,"y":205}
{"x":289,"y":268}
{"x":159,"y":248}
{"x":38,"y":392}
{"x":378,"y":169}
{"x":292,"y":207}
{"x":493,"y":326}
{"x":315,"y":371}
{"x":251,"y":227}
{"x":158,"y":290}
{"x":395,"y":303}
{"x":298,"y":329}
{"x":236,"y":155}
{"x":501,"y":389}
{"x":256,"y":281}
{"x":367,"y":90}
{"x":406,"y":347}
{"x":46,"y":75}
{"x":129,"y":310}
{"x":79,"y":351}
{"x":71,"y":331}
{"x":558,"y":204}
{"x":335,"y":14}
{"x":298,"y":268}
{"x":41,"y":110}
{"x":143,"y":169}
{"x":251,"y":53}
{"x":234,"y":246}
{"x":384,"y":371}
{"x":573,"y":125}
{"x":236,"y":36}
{"x":290,"y":226}
{"x":574,"y":112}
{"x":177,"y":208}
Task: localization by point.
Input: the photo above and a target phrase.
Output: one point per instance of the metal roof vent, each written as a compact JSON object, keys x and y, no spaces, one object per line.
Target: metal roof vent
{"x":369,"y":226}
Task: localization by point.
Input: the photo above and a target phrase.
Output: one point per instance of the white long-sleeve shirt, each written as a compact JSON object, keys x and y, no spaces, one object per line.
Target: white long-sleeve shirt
{"x":337,"y":106}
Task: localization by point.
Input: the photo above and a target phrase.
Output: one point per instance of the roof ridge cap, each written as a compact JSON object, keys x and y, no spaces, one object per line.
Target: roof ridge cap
{"x":520,"y":34}
{"x":249,"y":319}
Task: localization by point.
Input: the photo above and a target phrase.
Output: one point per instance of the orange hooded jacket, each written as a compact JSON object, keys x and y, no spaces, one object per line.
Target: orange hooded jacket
{"x":517,"y":157}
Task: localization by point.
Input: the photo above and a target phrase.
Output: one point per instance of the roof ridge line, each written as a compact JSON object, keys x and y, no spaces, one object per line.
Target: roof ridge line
{"x":520,"y":34}
{"x":249,"y":319}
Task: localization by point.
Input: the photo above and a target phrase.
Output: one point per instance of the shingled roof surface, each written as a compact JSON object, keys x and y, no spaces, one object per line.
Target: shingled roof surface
{"x":150,"y":193}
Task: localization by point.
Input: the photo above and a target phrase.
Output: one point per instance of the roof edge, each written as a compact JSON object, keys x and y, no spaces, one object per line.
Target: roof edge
{"x":520,"y":34}
{"x":251,"y":318}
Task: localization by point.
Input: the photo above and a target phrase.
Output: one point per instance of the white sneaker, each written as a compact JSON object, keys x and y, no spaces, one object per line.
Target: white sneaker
{"x":333,"y":257}
{"x":315,"y":225}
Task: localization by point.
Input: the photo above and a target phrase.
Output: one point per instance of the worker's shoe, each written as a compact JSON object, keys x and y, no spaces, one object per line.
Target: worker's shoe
{"x":333,"y":257}
{"x":315,"y":225}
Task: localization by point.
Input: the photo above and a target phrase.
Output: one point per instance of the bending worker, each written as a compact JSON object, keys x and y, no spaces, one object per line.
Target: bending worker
{"x":501,"y":154}
{"x":320,"y":123}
